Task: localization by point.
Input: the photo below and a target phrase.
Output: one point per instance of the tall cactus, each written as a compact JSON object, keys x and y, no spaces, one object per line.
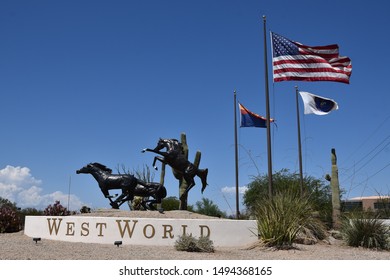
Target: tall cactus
{"x":334,"y":183}
{"x":162,"y":181}
{"x":182,"y":183}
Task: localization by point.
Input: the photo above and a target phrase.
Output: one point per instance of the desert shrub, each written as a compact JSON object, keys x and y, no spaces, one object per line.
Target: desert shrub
{"x":85,"y":209}
{"x":189,"y":243}
{"x":362,"y":230}
{"x":205,"y":244}
{"x":281,"y":218}
{"x":9,"y":219}
{"x":186,"y":243}
{"x":318,"y":190}
{"x":56,"y":210}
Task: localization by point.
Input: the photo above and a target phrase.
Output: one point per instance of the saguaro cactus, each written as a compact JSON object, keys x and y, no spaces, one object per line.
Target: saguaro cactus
{"x":182,"y":183}
{"x":334,"y":183}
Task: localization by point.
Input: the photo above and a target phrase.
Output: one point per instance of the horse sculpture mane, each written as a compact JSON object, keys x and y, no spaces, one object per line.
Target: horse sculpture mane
{"x":102,"y":167}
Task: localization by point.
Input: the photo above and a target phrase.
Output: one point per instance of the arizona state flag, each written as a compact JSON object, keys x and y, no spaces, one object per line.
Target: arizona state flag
{"x":250,"y":119}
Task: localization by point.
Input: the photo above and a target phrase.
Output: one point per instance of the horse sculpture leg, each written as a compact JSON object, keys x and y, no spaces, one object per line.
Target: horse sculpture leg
{"x":202,"y":174}
{"x":106,"y":194}
{"x":157,"y":159}
{"x":163,"y":154}
{"x":120,"y":200}
{"x":190,"y":184}
{"x":113,"y":204}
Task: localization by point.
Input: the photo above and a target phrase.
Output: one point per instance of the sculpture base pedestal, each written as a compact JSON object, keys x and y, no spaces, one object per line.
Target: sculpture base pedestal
{"x":140,"y":231}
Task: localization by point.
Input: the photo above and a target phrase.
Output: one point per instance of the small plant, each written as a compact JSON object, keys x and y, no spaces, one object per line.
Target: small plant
{"x":362,"y":231}
{"x":205,"y":244}
{"x":56,"y":210}
{"x":189,"y":243}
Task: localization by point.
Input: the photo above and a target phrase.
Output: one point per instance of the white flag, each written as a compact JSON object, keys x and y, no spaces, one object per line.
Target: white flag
{"x":318,"y":105}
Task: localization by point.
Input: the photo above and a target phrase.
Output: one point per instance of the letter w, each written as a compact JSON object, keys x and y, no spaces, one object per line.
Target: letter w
{"x":126,"y":228}
{"x":54,"y":225}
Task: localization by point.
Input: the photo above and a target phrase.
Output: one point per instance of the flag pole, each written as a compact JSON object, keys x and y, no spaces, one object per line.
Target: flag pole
{"x":267,"y":112}
{"x":236,"y":154}
{"x":299,"y":141}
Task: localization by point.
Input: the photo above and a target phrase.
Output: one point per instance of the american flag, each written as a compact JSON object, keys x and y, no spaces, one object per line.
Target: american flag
{"x":295,"y":61}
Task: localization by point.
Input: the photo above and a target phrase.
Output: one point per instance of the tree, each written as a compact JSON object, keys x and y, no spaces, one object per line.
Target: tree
{"x":170,"y":203}
{"x":7,"y":203}
{"x":209,"y":208}
{"x":283,"y":181}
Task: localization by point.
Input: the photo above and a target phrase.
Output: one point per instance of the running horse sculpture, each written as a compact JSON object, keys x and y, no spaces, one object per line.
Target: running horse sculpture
{"x":175,"y":158}
{"x":130,"y":186}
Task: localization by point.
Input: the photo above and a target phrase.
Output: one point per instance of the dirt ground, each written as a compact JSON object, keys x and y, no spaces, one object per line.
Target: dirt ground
{"x":17,"y":246}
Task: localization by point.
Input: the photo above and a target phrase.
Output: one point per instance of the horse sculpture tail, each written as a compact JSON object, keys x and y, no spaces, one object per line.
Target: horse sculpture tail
{"x":202,"y":173}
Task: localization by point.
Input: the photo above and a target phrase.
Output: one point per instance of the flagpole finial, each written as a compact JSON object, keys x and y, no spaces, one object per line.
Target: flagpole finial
{"x":264,"y":17}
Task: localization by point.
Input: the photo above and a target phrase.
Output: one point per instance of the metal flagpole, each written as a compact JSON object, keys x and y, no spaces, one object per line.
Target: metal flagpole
{"x":70,"y":178}
{"x":299,"y":141}
{"x":267,"y":112}
{"x":236,"y":155}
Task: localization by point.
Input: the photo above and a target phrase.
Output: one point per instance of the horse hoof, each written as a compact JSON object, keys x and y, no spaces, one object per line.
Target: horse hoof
{"x":114,"y":205}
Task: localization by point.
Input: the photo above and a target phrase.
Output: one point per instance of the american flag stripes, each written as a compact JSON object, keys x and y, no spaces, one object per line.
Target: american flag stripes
{"x":295,"y":61}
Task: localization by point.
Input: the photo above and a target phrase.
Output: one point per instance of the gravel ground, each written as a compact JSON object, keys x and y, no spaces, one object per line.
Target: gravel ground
{"x":17,"y":246}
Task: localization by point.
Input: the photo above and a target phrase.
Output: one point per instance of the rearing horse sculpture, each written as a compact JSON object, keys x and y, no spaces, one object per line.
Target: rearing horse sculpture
{"x":130,"y":186}
{"x":175,"y":158}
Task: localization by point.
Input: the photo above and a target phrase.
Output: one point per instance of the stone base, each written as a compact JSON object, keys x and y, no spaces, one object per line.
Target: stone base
{"x":140,"y":231}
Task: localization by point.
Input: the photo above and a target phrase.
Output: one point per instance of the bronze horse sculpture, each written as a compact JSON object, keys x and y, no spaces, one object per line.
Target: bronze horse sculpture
{"x":174,"y":157}
{"x":130,"y":186}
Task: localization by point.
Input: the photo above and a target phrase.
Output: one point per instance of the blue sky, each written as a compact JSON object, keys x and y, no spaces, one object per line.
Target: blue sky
{"x":98,"y":81}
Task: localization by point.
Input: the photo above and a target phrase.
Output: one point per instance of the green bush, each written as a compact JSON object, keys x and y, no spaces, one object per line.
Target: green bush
{"x":361,"y":230}
{"x":56,"y":210}
{"x":189,"y":243}
{"x":281,"y":218}
{"x":283,"y":181}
